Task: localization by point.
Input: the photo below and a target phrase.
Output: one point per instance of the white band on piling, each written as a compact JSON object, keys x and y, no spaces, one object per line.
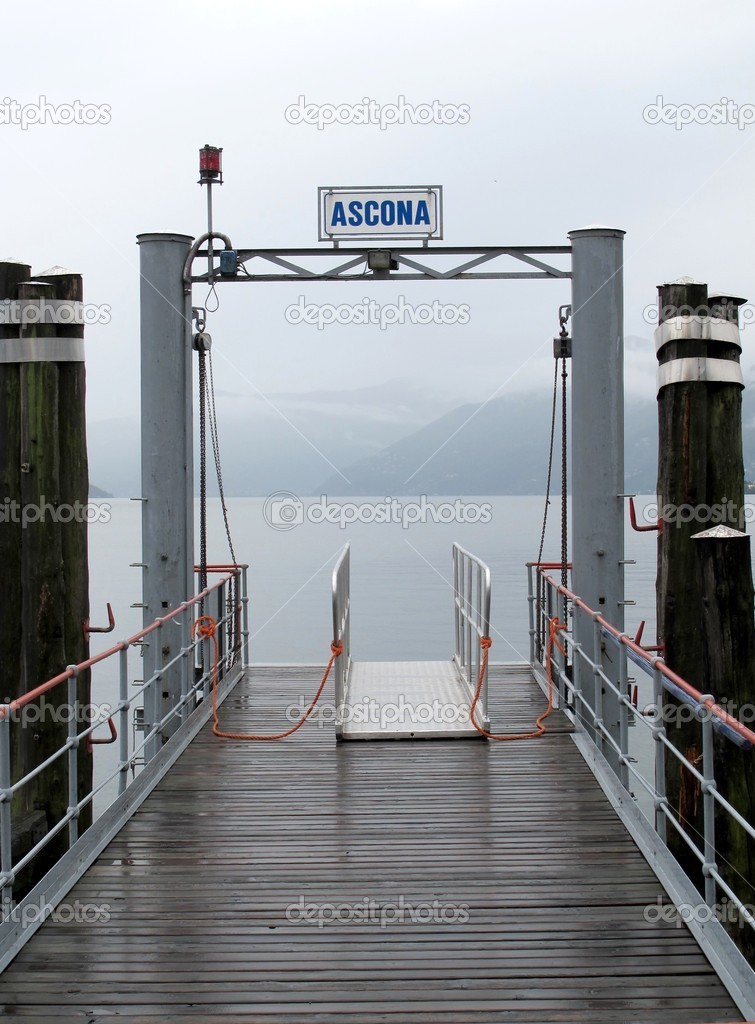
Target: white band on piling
{"x":696,"y":328}
{"x":42,"y":350}
{"x":679,"y":371}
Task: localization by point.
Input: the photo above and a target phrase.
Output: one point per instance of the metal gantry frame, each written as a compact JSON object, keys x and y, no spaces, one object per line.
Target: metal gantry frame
{"x":417,"y":261}
{"x":595,"y":268}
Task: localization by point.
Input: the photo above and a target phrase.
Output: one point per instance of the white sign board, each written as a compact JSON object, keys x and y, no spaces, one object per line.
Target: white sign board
{"x":394,"y":212}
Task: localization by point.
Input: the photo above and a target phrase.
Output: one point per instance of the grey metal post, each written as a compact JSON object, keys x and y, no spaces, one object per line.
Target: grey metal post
{"x":597,"y":445}
{"x":167,"y":457}
{"x":6,"y":813}
{"x":73,"y":756}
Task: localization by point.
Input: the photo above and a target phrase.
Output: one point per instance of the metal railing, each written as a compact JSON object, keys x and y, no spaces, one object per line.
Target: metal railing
{"x":471,"y":622}
{"x":227,"y":602}
{"x":587,"y":708}
{"x":341,"y":587}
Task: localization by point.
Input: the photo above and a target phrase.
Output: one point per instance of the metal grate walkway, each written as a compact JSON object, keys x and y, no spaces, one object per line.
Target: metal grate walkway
{"x":199,"y":882}
{"x":407,"y":700}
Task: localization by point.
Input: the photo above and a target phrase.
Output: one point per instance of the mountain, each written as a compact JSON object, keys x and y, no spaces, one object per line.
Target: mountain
{"x":393,"y":438}
{"x":501,"y":447}
{"x":281,"y":441}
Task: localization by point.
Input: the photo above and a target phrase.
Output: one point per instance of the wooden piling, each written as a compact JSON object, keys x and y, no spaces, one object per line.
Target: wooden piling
{"x":43,"y":470}
{"x":704,"y":583}
{"x":73,"y":489}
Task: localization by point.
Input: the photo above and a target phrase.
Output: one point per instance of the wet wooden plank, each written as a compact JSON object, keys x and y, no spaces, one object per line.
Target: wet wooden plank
{"x":206,"y":887}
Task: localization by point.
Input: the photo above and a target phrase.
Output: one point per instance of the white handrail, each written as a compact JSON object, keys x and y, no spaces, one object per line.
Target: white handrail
{"x":341,"y":585}
{"x":471,"y":619}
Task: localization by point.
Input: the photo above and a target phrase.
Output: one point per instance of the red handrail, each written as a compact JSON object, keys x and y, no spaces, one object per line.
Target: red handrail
{"x":658,"y":663}
{"x":75,"y":670}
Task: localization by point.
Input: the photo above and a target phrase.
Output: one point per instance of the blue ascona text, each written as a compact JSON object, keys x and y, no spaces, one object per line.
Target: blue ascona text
{"x":408,"y":212}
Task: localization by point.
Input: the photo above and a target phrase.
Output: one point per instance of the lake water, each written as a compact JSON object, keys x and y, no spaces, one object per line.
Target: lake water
{"x":400,"y":578}
{"x":401,"y":585}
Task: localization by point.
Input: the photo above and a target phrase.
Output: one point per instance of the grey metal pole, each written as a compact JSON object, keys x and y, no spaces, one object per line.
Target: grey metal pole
{"x":167,"y":459}
{"x":597,"y":446}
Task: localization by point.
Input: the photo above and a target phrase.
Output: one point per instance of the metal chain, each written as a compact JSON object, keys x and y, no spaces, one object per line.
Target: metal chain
{"x":202,"y":473}
{"x":232,"y":603}
{"x":540,"y":631}
{"x":216,"y":453}
{"x":564,"y":523}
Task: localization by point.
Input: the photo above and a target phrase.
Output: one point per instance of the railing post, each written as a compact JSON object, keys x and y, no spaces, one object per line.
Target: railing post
{"x":347,"y":612}
{"x":658,"y":732}
{"x":341,"y":601}
{"x":123,"y":720}
{"x":222,"y":626}
{"x":479,"y":625}
{"x":562,"y":660}
{"x":531,"y":610}
{"x":73,"y":755}
{"x":597,"y":655}
{"x":6,"y":820}
{"x":244,"y":618}
{"x":152,"y":700}
{"x":206,"y":668}
{"x":709,"y":804}
{"x":462,"y":616}
{"x":468,"y":609}
{"x":186,"y":661}
{"x":623,"y":715}
{"x":457,"y":617}
{"x":546,"y":623}
{"x":163,"y":698}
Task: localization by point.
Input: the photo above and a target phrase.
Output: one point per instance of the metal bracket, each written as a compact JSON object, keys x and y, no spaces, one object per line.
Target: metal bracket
{"x":87,"y":629}
{"x":91,"y":742}
{"x":638,"y":640}
{"x":657,"y":525}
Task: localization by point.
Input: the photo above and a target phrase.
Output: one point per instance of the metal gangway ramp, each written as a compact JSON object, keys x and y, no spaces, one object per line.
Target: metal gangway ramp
{"x":379,"y":700}
{"x":360,"y":883}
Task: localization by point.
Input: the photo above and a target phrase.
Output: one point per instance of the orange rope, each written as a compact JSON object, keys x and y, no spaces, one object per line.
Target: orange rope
{"x":206,"y":626}
{"x":486,"y":643}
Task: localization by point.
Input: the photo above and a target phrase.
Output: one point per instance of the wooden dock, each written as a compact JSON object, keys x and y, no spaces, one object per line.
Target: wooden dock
{"x":204,"y":887}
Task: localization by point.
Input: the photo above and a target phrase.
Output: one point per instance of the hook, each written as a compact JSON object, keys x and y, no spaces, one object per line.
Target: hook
{"x":87,"y":629}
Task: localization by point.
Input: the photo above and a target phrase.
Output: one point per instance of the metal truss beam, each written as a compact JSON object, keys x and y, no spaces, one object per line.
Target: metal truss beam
{"x":414,"y":264}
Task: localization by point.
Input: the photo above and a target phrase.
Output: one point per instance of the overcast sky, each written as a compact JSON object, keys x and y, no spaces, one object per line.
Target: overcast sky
{"x":555,"y":139}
